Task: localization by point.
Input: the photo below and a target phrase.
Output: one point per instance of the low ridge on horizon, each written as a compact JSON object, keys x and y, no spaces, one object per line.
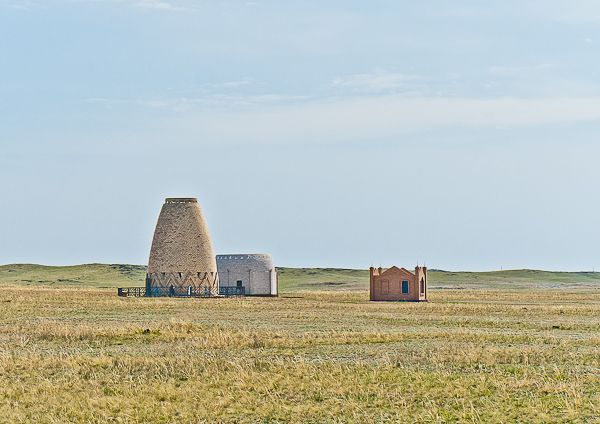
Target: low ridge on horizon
{"x":100,"y":275}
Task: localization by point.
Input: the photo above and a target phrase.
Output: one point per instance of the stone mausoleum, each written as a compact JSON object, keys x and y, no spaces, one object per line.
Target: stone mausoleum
{"x":398,"y":284}
{"x":255,"y":273}
{"x":182,"y":259}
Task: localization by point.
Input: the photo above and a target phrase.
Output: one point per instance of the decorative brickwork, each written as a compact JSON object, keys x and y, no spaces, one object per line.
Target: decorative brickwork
{"x":255,"y":272}
{"x":398,"y":284}
{"x":182,"y":254}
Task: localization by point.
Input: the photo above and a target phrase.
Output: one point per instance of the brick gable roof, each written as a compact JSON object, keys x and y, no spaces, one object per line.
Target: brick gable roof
{"x":395,"y":270}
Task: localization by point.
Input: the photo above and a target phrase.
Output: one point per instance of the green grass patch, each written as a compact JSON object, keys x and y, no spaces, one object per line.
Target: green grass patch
{"x":87,"y":275}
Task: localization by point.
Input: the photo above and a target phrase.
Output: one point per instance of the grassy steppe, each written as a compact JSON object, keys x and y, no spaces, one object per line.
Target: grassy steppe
{"x":86,"y":355}
{"x":88,"y":275}
{"x":294,"y":279}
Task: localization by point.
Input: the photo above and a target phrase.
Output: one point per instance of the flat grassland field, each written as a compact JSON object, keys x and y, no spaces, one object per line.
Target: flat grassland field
{"x":512,"y":346}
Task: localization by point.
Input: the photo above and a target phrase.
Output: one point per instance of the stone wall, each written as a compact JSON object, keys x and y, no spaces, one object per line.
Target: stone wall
{"x":182,"y":254}
{"x":256,"y":272}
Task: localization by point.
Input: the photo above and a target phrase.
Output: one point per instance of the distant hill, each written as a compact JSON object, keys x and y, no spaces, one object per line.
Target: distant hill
{"x":88,"y":275}
{"x":294,"y":279}
{"x":291,"y":279}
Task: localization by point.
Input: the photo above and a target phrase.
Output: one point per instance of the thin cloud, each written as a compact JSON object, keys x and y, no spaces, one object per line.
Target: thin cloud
{"x":95,"y":100}
{"x":344,"y":119}
{"x":244,"y":81}
{"x":107,"y":103}
{"x":25,"y":5}
{"x":157,"y":103}
{"x":159,"y":5}
{"x":221,"y":102}
{"x":540,"y":81}
{"x":573,"y":11}
{"x":374,"y":82}
{"x":520,"y":70}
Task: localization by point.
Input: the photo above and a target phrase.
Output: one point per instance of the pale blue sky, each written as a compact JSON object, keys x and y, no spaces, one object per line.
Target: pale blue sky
{"x":336,"y":134}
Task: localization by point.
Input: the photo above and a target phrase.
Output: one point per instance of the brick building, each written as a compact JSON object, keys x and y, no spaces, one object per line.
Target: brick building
{"x":398,"y":284}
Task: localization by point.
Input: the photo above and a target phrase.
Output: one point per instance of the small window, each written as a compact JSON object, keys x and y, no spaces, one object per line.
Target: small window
{"x":239,"y":283}
{"x":405,"y":287}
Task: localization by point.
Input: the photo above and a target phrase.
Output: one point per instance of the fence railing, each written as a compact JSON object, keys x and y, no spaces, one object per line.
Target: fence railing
{"x":132,"y":291}
{"x":232,"y":291}
{"x":182,"y":291}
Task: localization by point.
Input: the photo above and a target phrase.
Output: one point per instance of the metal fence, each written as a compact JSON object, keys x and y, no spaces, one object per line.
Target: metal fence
{"x":132,"y":291}
{"x":182,"y":291}
{"x":232,"y":291}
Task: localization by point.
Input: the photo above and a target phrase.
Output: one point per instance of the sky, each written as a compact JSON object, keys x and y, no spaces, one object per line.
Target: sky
{"x":458,"y":134}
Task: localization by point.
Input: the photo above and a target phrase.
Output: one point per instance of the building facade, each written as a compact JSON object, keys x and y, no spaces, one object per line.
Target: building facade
{"x":256,"y":273}
{"x":398,"y":284}
{"x":182,"y":255}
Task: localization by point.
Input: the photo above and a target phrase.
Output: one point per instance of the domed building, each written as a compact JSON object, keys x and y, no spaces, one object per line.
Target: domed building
{"x":255,"y":272}
{"x":182,"y":259}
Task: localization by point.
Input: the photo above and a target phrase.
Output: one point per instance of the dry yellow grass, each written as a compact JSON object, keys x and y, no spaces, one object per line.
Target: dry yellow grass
{"x":85,"y":355}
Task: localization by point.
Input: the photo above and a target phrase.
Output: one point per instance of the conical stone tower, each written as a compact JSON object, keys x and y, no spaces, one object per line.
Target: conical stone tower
{"x":182,"y":254}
